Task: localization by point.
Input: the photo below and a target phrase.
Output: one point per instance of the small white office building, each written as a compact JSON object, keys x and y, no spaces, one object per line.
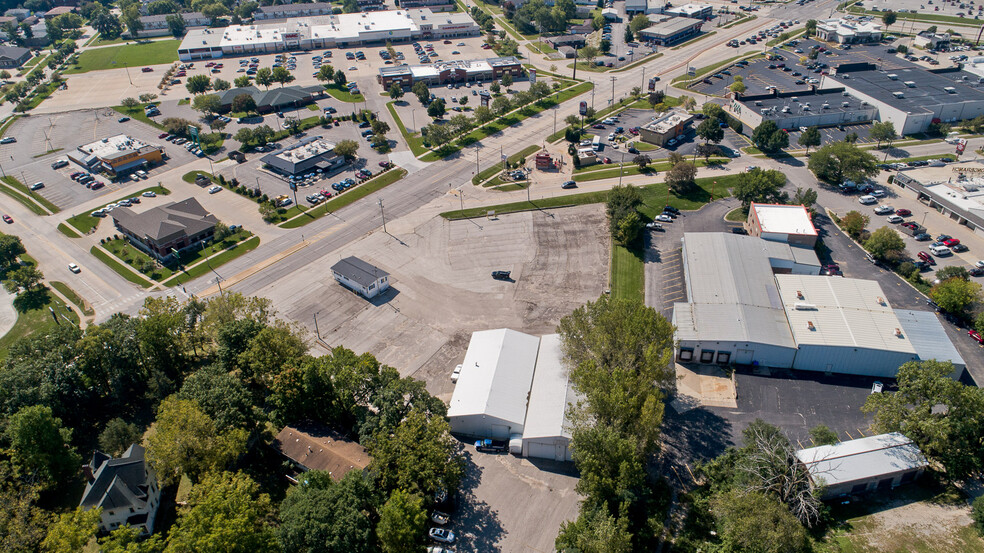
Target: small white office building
{"x":875,"y":463}
{"x":547,"y":432}
{"x":363,"y":278}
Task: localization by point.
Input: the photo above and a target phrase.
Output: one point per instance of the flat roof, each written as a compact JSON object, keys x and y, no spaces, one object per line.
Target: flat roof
{"x":496,"y":375}
{"x":667,"y":122}
{"x":201,"y":38}
{"x":551,"y":393}
{"x":113,"y":146}
{"x":850,"y":27}
{"x":835,"y":311}
{"x":862,"y":459}
{"x":305,"y":149}
{"x":784,"y":219}
{"x":930,"y":88}
{"x":834,"y":99}
{"x":671,"y":26}
{"x":927,"y":335}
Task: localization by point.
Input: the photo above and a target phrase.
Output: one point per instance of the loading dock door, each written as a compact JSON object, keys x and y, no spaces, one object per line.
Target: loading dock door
{"x":744,"y":356}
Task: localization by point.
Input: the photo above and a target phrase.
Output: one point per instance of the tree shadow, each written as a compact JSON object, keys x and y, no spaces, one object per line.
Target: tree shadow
{"x":31,"y":300}
{"x":485,"y":529}
{"x":690,"y":434}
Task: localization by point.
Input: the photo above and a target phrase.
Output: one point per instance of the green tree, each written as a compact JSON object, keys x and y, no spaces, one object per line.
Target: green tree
{"x":161,"y":7}
{"x":198,"y":84}
{"x":769,"y":138}
{"x":402,"y":522}
{"x":483,"y":115}
{"x":420,"y":456}
{"x":821,"y":434}
{"x":805,"y":197}
{"x":322,"y":515}
{"x":129,"y":103}
{"x":710,"y":130}
{"x":73,"y":530}
{"x":10,"y":247}
{"x":638,"y":23}
{"x":738,"y":87}
{"x":854,"y":223}
{"x":225,"y":513}
{"x":955,"y":295}
{"x":882,"y":131}
{"x":396,"y":91}
{"x":340,"y":79}
{"x":188,"y":442}
{"x":885,"y":244}
{"x":23,"y":524}
{"x":952,"y":271}
{"x":118,"y":436}
{"x":436,"y":109}
{"x":811,"y":27}
{"x":39,"y":446}
{"x":347,"y":148}
{"x":243,"y":103}
{"x":420,"y":90}
{"x":271,"y":350}
{"x":588,"y":54}
{"x":176,"y":25}
{"x":507,"y":80}
{"x":619,"y":352}
{"x":681,"y":177}
{"x":241,"y":81}
{"x":623,"y":220}
{"x":594,"y":531}
{"x":264,"y":77}
{"x":889,"y":18}
{"x":501,"y":105}
{"x":24,"y":278}
{"x":126,"y":539}
{"x":207,"y":104}
{"x":977,"y":514}
{"x":753,"y":521}
{"x":325,"y":73}
{"x":221,"y":84}
{"x":840,"y":161}
{"x":809,"y":138}
{"x":494,"y":88}
{"x":437,"y":135}
{"x":221,"y":396}
{"x":943,"y":416}
{"x":851,"y":137}
{"x":281,"y":75}
{"x":760,"y":186}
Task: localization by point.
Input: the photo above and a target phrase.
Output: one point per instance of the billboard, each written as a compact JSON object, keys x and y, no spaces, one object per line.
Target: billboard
{"x":532,"y":72}
{"x":193,"y":133}
{"x":584,"y":108}
{"x":485,"y":101}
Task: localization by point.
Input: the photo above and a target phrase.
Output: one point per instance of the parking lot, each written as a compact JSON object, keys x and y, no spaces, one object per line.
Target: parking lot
{"x":968,"y":9}
{"x":64,"y":133}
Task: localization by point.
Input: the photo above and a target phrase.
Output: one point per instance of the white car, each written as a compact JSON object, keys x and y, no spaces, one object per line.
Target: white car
{"x":895,"y":219}
{"x":664,"y":218}
{"x":74,"y":268}
{"x":214,"y":189}
{"x":884,"y":210}
{"x":878,"y":193}
{"x":455,"y":374}
{"x":149,"y":194}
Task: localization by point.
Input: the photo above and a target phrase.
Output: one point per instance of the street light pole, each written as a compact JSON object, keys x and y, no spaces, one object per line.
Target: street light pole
{"x":316,"y":330}
{"x":613,"y":91}
{"x":621,"y":167}
{"x":383,"y":215}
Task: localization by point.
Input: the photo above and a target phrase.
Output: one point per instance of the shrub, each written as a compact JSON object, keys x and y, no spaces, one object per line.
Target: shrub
{"x":977,"y":513}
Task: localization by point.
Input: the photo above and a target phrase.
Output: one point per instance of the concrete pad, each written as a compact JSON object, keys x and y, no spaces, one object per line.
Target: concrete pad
{"x":705,"y":385}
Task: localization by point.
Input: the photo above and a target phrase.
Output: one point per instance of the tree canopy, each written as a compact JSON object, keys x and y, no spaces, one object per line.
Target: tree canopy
{"x":760,"y":186}
{"x":769,"y":138}
{"x":840,"y":161}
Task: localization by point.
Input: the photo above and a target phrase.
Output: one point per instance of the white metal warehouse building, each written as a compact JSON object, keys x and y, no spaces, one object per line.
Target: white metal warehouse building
{"x":879,"y":462}
{"x":515,"y":386}
{"x":756,"y":302}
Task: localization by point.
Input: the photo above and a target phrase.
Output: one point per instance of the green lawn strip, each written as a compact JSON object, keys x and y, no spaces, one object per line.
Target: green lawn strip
{"x":30,"y":195}
{"x":184,"y":102}
{"x":139,"y":114}
{"x":628,"y":272}
{"x":736,"y":215}
{"x":73,"y":297}
{"x":693,"y":40}
{"x":933,"y":18}
{"x":36,"y":320}
{"x":127,"y":55}
{"x":645,"y":146}
{"x":487,"y":174}
{"x":780,"y":39}
{"x":48,"y":152}
{"x":67,"y":231}
{"x":353,"y":195}
{"x":507,"y":121}
{"x":951,"y":157}
{"x":592,"y":66}
{"x":414,"y":141}
{"x":624,"y":103}
{"x":632,"y":169}
{"x":190,"y":176}
{"x":707,"y":69}
{"x":34,"y":61}
{"x":635,"y":64}
{"x":214,"y":262}
{"x":193,"y":256}
{"x":41,"y":94}
{"x":84,"y":222}
{"x":343,"y":94}
{"x":6,"y":124}
{"x":24,"y":200}
{"x":121,"y":269}
{"x":739,"y":21}
{"x":521,"y":155}
{"x":509,"y":28}
{"x":512,"y":187}
{"x":109,"y":42}
{"x":654,"y":198}
{"x":135,"y":257}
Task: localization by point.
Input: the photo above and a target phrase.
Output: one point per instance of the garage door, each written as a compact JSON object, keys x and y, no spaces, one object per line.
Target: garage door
{"x":540,"y":450}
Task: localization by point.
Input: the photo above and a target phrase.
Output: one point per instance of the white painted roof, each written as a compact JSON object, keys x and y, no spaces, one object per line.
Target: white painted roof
{"x":496,"y":375}
{"x":834,"y":311}
{"x":552,"y":391}
{"x":784,"y":219}
{"x":861,"y":460}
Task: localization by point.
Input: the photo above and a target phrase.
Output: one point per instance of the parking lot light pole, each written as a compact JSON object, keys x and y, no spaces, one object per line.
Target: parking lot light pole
{"x":383,"y":215}
{"x":316,"y":331}
{"x":613,"y":91}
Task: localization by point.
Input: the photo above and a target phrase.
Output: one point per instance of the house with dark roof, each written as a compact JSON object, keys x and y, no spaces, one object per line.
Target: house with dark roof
{"x":13,"y":56}
{"x":125,"y":488}
{"x":574,"y":41}
{"x":273,"y":100}
{"x":312,"y":447}
{"x":162,"y":230}
{"x":362,"y":278}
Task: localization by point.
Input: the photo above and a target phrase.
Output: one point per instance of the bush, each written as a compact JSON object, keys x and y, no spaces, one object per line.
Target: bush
{"x":977,"y":513}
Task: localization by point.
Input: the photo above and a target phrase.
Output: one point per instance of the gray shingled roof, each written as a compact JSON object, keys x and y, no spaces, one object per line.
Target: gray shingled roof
{"x":118,"y":482}
{"x":358,"y":271}
{"x":166,"y":222}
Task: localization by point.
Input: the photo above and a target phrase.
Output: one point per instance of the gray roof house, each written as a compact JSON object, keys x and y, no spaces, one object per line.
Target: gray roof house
{"x":361,"y":277}
{"x":13,"y":56}
{"x":177,"y":225}
{"x":272,"y":100}
{"x":125,"y":488}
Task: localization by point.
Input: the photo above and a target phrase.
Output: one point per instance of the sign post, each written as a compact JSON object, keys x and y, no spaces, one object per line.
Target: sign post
{"x":193,"y":132}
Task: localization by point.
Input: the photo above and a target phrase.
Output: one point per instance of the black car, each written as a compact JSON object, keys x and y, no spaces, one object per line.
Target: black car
{"x":501,"y":275}
{"x":671,"y":209}
{"x":958,"y":248}
{"x":738,"y":230}
{"x":569,"y":184}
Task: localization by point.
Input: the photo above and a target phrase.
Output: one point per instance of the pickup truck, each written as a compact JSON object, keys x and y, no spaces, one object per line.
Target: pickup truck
{"x":491,"y":446}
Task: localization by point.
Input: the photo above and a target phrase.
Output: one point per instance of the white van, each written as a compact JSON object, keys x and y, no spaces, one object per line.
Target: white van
{"x":141,"y":173}
{"x":939,"y":250}
{"x":866,"y":200}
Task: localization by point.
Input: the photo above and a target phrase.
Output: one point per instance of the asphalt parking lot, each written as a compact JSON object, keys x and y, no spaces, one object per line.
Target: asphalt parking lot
{"x":63,"y":133}
{"x":933,"y":7}
{"x":414,"y":116}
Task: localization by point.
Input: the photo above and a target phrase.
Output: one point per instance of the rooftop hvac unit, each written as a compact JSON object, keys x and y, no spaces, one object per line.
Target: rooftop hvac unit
{"x":799,"y":294}
{"x":898,"y":94}
{"x":893,"y":77}
{"x":881,"y":301}
{"x":910,"y":84}
{"x":800,"y":306}
{"x":825,"y":106}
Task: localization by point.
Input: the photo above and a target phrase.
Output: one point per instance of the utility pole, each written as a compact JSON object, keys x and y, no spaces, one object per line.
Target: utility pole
{"x":555,"y":119}
{"x":592,"y":96}
{"x":478,"y":168}
{"x":383,"y":215}
{"x":613,"y":91}
{"x":316,"y":331}
{"x":621,"y":168}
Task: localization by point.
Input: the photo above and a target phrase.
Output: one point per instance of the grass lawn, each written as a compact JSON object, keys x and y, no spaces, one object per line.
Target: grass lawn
{"x":39,"y":95}
{"x":593,"y":67}
{"x":139,"y":114}
{"x":115,"y":265}
{"x":190,"y":177}
{"x":48,"y":152}
{"x":645,"y":146}
{"x":414,"y":141}
{"x":707,"y":69}
{"x":34,"y":61}
{"x":37,"y":318}
{"x":6,"y":124}
{"x":630,"y":169}
{"x":37,"y":198}
{"x":64,"y":229}
{"x":110,"y":42}
{"x":951,"y":157}
{"x":627,"y":271}
{"x":736,"y":215}
{"x":136,"y":258}
{"x":353,"y":195}
{"x":343,"y":94}
{"x":639,"y":62}
{"x":129,"y":55}
{"x":85,"y":222}
{"x":73,"y":297}
{"x":214,"y":262}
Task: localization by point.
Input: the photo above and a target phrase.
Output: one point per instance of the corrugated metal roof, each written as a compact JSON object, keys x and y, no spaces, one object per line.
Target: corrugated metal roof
{"x":924,"y":330}
{"x":496,"y":375}
{"x":732,"y":323}
{"x":835,"y":311}
{"x":861,"y":459}
{"x":552,"y":391}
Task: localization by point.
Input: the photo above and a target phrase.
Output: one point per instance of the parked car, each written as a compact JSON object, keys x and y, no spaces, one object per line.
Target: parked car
{"x":491,"y":446}
{"x":7,"y":140}
{"x":7,"y":219}
{"x":442,"y":535}
{"x":884,"y":210}
{"x":895,"y":219}
{"x":123,"y":119}
{"x":74,"y":268}
{"x":501,"y":275}
{"x":214,"y":189}
{"x":664,"y":218}
{"x":973,"y":334}
{"x":903,"y":212}
{"x":569,"y":184}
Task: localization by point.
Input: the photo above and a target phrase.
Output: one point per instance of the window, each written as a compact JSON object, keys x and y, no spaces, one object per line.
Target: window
{"x":686,"y":354}
{"x":724,"y":357}
{"x":707,"y":356}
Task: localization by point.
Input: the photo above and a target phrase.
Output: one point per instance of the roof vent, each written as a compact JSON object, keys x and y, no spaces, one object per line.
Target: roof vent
{"x":881,"y":300}
{"x":809,"y":324}
{"x":799,"y":294}
{"x":898,"y":332}
{"x":799,"y":306}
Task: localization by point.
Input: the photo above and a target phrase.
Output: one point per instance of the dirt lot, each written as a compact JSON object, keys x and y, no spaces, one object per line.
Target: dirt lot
{"x":441,"y":292}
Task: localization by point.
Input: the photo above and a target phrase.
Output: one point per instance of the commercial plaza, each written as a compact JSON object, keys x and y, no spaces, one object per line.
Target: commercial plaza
{"x":325,"y":31}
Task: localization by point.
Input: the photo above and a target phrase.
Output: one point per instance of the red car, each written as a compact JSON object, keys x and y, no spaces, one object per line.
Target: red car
{"x":7,"y":219}
{"x":926,"y":257}
{"x":180,"y":74}
{"x":210,"y":64}
{"x":909,"y":224}
{"x":973,"y":334}
{"x":950,"y":242}
{"x":162,"y":135}
{"x":903,"y":212}
{"x":326,"y":193}
{"x":147,"y":69}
